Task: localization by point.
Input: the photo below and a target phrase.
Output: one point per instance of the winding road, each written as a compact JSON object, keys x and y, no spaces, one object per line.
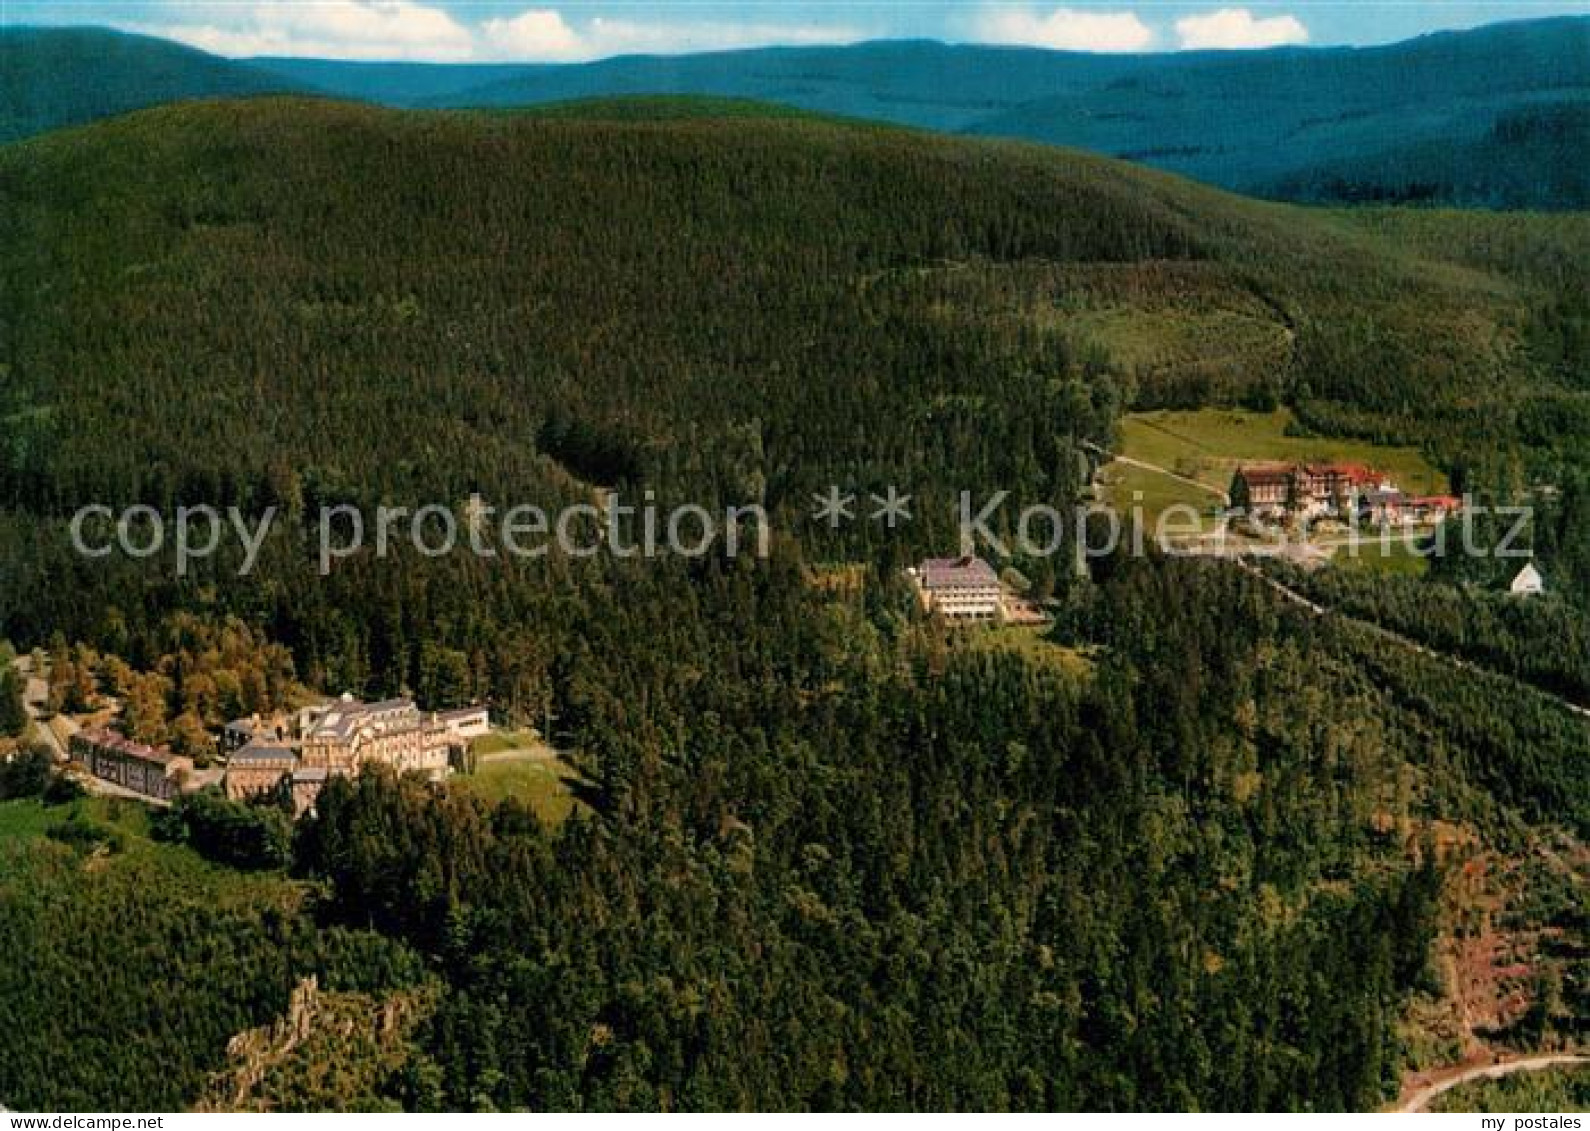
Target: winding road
{"x":1225,"y":499}
{"x":35,"y":700}
{"x":1421,"y":1097}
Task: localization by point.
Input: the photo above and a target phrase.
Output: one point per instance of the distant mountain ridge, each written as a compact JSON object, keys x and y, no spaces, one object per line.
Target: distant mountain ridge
{"x":54,"y":77}
{"x":1494,"y":117}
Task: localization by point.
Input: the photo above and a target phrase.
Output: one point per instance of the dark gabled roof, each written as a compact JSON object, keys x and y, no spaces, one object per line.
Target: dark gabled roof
{"x":346,"y":716}
{"x":109,"y":740}
{"x":957,"y":573}
{"x":1265,"y":474}
{"x":263,"y":752}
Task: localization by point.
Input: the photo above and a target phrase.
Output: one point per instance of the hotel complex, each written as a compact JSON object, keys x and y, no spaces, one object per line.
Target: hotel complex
{"x":1278,"y":491}
{"x":291,"y":756}
{"x":339,"y":738}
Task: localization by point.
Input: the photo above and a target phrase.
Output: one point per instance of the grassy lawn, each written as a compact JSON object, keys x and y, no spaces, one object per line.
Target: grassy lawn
{"x":1399,"y":557}
{"x":25,"y":826}
{"x":547,"y":785}
{"x":29,"y":817}
{"x":1127,"y":487}
{"x":499,"y":741}
{"x":1208,"y":444}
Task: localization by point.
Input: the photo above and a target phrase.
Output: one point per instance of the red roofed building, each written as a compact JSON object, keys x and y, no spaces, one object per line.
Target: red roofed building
{"x":1276,"y":489}
{"x":153,"y":771}
{"x":1328,"y":482}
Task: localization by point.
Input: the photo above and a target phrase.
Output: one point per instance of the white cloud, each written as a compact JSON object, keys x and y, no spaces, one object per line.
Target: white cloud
{"x":1065,"y":29}
{"x":1237,"y":29}
{"x":540,"y":33}
{"x":406,"y":29}
{"x":546,"y":35}
{"x":330,"y":29}
{"x":627,"y":35}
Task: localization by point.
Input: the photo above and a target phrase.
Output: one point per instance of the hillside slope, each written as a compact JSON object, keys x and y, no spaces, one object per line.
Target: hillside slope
{"x":1491,"y":117}
{"x":836,"y":857}
{"x":1297,"y":124}
{"x":1504,"y":104}
{"x":53,"y":77}
{"x":806,"y":264}
{"x":301,"y":302}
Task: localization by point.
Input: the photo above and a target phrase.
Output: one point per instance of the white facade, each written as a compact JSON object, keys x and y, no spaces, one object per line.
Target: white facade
{"x":960,"y":589}
{"x":1528,"y":582}
{"x":467,"y":722}
{"x":968,"y":603}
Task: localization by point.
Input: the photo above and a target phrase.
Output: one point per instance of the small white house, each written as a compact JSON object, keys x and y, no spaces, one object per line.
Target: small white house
{"x":1528,"y":582}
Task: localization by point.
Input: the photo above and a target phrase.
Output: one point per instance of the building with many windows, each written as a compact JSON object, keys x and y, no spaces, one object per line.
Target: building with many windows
{"x":339,"y":738}
{"x":153,"y":771}
{"x":1261,"y":489}
{"x":259,"y":767}
{"x":959,"y":589}
{"x":1281,"y":490}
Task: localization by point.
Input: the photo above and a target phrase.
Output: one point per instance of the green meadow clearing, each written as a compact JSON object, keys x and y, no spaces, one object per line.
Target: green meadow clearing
{"x":1208,"y":445}
{"x":541,"y":779}
{"x":31,"y":819}
{"x":1151,"y":493}
{"x":1397,"y":555}
{"x":504,"y":741}
{"x":25,"y":820}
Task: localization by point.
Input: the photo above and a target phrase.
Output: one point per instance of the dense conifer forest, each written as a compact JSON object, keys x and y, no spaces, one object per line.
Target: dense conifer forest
{"x":1191,"y":849}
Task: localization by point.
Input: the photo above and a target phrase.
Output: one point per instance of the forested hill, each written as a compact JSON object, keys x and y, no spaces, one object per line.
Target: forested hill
{"x":1186,"y":851}
{"x":53,"y":77}
{"x":1491,"y":117}
{"x":791,"y":300}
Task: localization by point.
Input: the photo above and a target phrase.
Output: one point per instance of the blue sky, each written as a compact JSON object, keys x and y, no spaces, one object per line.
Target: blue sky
{"x":571,"y":30}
